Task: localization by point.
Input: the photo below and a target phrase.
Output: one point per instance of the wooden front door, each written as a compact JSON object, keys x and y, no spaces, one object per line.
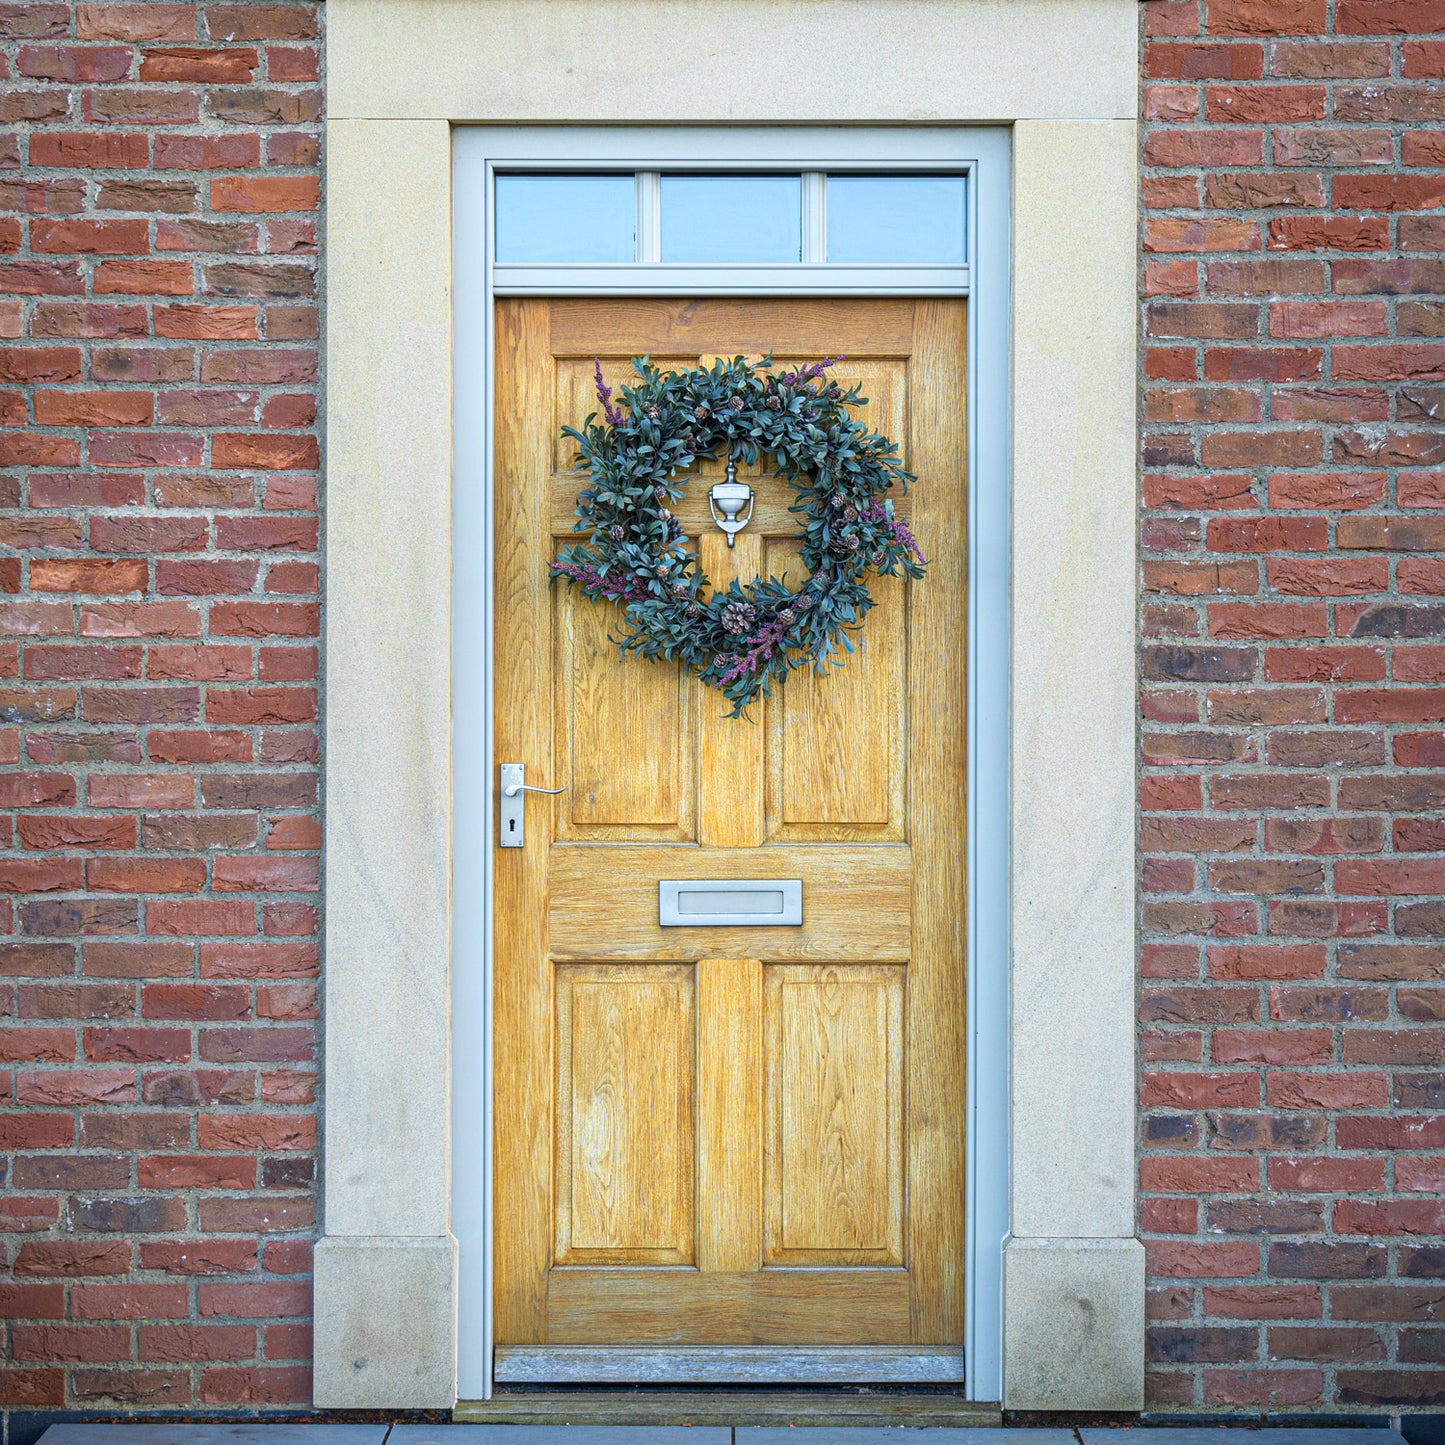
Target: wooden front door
{"x":737,"y":1136}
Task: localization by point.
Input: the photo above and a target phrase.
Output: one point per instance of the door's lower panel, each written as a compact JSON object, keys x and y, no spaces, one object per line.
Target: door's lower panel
{"x":728,"y":1364}
{"x":766,"y":1307}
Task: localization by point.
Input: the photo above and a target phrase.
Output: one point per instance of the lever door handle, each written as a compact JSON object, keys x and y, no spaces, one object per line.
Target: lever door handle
{"x":512,"y":813}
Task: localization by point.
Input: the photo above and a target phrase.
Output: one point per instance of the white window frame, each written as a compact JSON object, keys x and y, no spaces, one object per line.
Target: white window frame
{"x":980,"y":153}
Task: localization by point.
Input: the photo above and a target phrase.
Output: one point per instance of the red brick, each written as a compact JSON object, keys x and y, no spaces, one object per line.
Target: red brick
{"x":257,"y":1385}
{"x":230,"y":323}
{"x":89,"y":237}
{"x":94,"y":408}
{"x":1327,"y":1176}
{"x":1390,"y":363}
{"x":191,"y":1342}
{"x":1263,"y":1302}
{"x":144,"y":278}
{"x":1268,"y":534}
{"x":260,"y":194}
{"x":1329,"y":233}
{"x":1266,"y":17}
{"x":1389,"y":1216}
{"x":271,"y":1299}
{"x":64,"y":1342}
{"x":1388,"y":17}
{"x":87,"y":150}
{"x":94,"y":1301}
{"x":135,"y":22}
{"x":1320,"y":491}
{"x":1267,"y":961}
{"x":205,"y":66}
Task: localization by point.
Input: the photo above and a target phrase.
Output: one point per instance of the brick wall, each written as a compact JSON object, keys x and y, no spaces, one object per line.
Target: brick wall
{"x":1293,"y":765}
{"x":159,"y":612}
{"x":158,"y":824}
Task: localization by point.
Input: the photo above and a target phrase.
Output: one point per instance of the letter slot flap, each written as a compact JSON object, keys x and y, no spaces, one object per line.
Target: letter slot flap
{"x":730,"y":902}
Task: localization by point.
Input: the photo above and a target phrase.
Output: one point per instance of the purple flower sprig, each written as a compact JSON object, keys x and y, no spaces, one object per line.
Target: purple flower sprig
{"x":899,"y":530}
{"x":614,"y":588}
{"x":768,"y":639}
{"x":614,"y":415}
{"x":813,"y":371}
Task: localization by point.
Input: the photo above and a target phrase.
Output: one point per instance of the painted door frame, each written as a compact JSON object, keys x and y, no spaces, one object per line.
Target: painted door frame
{"x":401,"y":74}
{"x":981,"y":153}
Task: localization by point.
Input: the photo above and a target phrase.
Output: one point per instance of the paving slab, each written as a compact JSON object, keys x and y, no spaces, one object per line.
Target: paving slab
{"x":155,"y":1432}
{"x":560,"y":1435}
{"x":1242,"y":1435}
{"x":898,"y":1435}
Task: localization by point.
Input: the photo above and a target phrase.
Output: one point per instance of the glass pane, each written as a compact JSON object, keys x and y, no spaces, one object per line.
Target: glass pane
{"x":566,"y":218}
{"x":899,"y":219}
{"x":732,"y":218}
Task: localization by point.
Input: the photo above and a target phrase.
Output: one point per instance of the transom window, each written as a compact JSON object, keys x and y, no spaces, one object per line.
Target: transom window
{"x":808,"y":218}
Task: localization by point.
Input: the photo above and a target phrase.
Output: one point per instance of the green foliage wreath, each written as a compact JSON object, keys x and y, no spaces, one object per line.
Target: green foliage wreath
{"x":740,"y":639}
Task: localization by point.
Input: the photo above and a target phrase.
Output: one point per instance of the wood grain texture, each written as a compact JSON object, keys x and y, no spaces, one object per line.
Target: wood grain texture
{"x":780,"y":1106}
{"x":730,"y":326}
{"x":837,"y":753}
{"x":730,"y":1114}
{"x":770,"y":1307}
{"x":730,"y":750}
{"x":856,"y":902}
{"x":522,"y":726}
{"x":625,"y":1114}
{"x":623,"y":733}
{"x":938,"y":780}
{"x":834,"y":1163}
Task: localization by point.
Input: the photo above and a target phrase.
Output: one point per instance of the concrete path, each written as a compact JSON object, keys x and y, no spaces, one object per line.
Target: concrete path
{"x":261,"y":1434}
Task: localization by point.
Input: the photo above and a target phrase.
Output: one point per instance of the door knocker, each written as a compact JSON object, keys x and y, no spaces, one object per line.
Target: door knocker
{"x":729,"y":497}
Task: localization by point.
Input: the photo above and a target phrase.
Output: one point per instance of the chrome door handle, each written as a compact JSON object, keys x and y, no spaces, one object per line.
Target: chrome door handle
{"x":512,"y":814}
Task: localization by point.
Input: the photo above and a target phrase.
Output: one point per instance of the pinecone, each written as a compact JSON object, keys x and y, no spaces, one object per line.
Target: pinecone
{"x":679,"y":590}
{"x":738,"y":617}
{"x":654,"y":411}
{"x":803,"y":602}
{"x":694,"y":609}
{"x":736,"y":404}
{"x":617,"y":531}
{"x":850,"y":513}
{"x":660,"y":492}
{"x":661,"y":569}
{"x":852,"y":542}
{"x":701,"y":413}
{"x":775,"y":403}
{"x":788,"y":616}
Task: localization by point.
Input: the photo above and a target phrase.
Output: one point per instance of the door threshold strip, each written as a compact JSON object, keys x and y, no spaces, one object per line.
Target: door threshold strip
{"x":729,"y":1365}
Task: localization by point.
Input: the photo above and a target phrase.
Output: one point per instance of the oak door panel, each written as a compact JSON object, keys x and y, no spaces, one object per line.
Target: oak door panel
{"x":624,"y":735}
{"x":833,"y":1173}
{"x":770,"y":1307}
{"x":625,"y":1124}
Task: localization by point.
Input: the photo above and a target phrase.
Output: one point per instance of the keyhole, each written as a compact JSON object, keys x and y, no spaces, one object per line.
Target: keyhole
{"x":511,"y":825}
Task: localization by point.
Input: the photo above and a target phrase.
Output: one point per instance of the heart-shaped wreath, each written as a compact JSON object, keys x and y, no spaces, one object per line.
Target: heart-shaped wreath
{"x":739,"y":639}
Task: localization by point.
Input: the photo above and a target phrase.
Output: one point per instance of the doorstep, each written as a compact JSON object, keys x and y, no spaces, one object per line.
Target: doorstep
{"x":729,"y":1408}
{"x":286,"y":1434}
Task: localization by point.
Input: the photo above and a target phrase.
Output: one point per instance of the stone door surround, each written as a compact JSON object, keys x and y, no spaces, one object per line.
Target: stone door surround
{"x":400,"y":74}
